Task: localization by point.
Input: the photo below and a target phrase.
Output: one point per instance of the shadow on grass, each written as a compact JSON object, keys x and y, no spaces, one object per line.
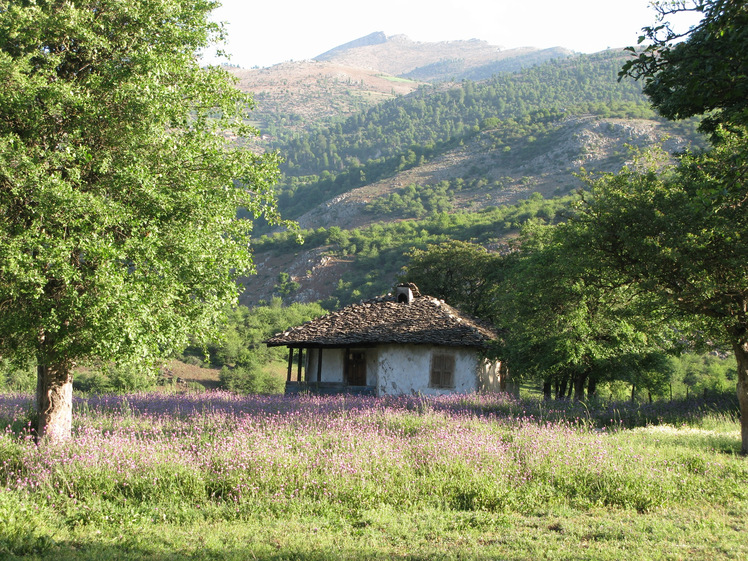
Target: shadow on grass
{"x":123,"y":552}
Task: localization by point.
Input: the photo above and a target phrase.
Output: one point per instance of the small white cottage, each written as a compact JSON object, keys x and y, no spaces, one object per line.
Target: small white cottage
{"x":396,"y":344}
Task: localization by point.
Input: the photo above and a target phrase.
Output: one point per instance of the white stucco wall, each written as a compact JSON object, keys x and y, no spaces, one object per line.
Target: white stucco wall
{"x":332,"y":365}
{"x":333,"y":361}
{"x":489,"y":376}
{"x":405,"y":369}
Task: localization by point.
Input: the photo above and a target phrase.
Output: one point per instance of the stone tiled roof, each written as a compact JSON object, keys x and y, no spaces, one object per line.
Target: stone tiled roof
{"x":425,"y":320}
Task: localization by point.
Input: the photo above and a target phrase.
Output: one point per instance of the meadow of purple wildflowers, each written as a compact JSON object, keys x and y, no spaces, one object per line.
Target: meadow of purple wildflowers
{"x":167,"y":458}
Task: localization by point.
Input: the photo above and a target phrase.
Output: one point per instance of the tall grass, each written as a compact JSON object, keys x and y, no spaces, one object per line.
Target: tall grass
{"x":146,"y":459}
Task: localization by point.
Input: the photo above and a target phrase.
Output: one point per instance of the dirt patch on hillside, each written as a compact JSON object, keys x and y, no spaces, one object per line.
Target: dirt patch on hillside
{"x":181,"y":375}
{"x":297,"y":76}
{"x":400,"y":55}
{"x":316,"y":271}
{"x":309,"y":91}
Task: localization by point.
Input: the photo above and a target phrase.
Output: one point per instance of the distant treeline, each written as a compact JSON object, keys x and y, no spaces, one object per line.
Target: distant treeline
{"x":379,"y":251}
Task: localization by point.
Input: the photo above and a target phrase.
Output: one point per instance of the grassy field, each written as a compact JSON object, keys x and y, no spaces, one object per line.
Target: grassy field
{"x":220,"y":476}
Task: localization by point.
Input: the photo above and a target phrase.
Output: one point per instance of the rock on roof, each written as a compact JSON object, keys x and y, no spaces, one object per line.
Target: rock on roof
{"x":425,"y":320}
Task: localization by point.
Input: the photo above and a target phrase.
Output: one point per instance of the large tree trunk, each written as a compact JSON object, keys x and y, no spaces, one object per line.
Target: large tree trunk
{"x":547,"y":390}
{"x":580,"y":378}
{"x":503,"y":376}
{"x":54,"y":402}
{"x":592,"y":386}
{"x":741,"y":355}
{"x":561,"y":393}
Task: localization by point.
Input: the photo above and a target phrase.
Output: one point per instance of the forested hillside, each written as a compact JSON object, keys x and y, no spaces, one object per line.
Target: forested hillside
{"x":461,"y":154}
{"x":410,"y":130}
{"x":298,"y":96}
{"x":339,"y":266}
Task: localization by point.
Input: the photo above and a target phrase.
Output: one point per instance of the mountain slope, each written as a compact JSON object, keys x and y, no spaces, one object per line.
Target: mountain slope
{"x":411,"y":130}
{"x":294,"y":97}
{"x":482,"y":177}
{"x":470,"y":161}
{"x":435,"y":62}
{"x":602,"y":145}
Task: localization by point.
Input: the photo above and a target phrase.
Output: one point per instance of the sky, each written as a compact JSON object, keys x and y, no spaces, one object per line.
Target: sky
{"x":263,"y":33}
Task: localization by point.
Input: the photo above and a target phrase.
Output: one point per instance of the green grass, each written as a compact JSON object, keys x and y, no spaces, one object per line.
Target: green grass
{"x":218,"y":476}
{"x":385,"y":533}
{"x":397,"y":79}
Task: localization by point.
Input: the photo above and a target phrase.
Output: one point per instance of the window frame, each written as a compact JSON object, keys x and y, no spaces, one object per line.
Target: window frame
{"x":442,"y":370}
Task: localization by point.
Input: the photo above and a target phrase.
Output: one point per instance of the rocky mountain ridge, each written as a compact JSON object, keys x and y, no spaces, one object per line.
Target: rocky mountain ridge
{"x":368,"y":71}
{"x":398,"y":55}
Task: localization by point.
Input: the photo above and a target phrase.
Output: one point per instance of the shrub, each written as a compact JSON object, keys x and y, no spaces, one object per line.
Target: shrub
{"x":116,"y":378}
{"x":250,"y":378}
{"x":16,"y":378}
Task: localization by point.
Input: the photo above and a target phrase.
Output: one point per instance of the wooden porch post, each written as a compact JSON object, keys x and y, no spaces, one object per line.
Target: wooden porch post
{"x":298,"y":371}
{"x":290,"y":363}
{"x":319,"y":364}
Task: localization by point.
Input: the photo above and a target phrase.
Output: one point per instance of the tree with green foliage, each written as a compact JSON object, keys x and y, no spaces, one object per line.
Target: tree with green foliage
{"x":681,"y":236}
{"x":120,"y":180}
{"x":286,"y":285}
{"x":678,"y":237}
{"x":240,"y":352}
{"x":565,"y":328}
{"x":708,"y":72}
{"x":16,"y":377}
{"x":698,"y":374}
{"x":461,"y":273}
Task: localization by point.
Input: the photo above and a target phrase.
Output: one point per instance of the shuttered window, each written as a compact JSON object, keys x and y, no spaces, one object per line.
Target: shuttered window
{"x":442,"y":371}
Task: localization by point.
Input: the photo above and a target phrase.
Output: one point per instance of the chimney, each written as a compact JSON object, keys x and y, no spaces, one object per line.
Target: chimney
{"x":404,"y":293}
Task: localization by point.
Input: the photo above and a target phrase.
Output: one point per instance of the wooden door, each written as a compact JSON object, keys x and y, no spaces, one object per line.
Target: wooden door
{"x":356,"y":368}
